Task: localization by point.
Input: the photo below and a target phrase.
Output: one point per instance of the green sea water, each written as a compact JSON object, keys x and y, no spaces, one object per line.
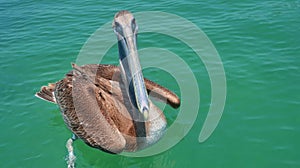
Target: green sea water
{"x":258,"y":43}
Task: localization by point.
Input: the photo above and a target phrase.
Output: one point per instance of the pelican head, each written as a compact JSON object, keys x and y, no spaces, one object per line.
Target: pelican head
{"x":126,"y":29}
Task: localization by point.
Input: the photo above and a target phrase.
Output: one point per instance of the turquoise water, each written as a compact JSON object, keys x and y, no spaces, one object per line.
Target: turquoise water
{"x":258,"y":42}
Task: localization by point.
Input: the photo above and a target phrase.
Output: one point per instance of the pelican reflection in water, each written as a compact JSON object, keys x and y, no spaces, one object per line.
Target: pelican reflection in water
{"x":108,"y":106}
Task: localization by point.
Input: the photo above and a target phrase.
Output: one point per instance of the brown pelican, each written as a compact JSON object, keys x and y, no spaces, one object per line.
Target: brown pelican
{"x":108,"y":106}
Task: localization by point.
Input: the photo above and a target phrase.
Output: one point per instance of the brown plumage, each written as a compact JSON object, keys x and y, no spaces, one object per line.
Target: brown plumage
{"x":93,"y":107}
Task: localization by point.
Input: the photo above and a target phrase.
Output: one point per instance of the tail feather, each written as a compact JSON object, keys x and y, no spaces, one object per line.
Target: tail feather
{"x":47,"y":93}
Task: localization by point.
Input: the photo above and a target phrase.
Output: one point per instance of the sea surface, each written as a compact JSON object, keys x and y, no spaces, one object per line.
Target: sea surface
{"x":257,"y":41}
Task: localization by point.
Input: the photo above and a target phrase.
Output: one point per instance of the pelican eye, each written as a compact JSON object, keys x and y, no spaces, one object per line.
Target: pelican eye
{"x":118,"y":29}
{"x":133,"y":26}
